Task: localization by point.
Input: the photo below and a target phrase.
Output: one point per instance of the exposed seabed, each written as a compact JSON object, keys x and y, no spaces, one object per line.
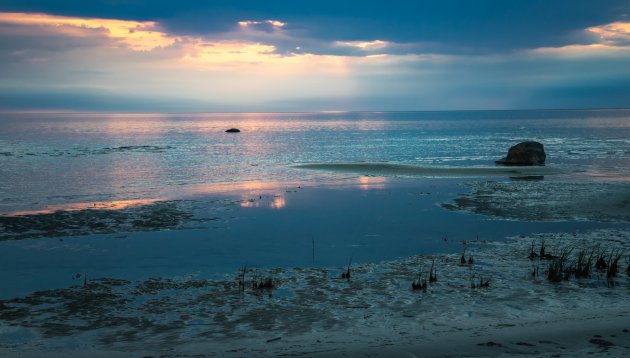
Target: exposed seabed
{"x":317,"y":312}
{"x":500,"y":301}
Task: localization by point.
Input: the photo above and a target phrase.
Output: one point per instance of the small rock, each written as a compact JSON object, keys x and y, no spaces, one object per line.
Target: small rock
{"x":233,"y":130}
{"x":524,"y":154}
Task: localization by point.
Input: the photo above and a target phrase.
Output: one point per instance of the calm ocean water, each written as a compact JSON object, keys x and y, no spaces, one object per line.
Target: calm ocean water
{"x":52,"y":159}
{"x":257,"y":209}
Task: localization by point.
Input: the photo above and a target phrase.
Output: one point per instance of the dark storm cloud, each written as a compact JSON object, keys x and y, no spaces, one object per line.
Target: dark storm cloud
{"x":456,"y":25}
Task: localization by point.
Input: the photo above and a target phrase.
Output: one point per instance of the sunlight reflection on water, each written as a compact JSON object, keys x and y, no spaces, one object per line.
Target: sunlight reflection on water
{"x":65,"y":158}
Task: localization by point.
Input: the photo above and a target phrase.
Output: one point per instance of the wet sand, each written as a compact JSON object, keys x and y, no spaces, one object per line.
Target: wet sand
{"x":605,"y":335}
{"x":544,"y":200}
{"x":531,"y":200}
{"x":313,"y":312}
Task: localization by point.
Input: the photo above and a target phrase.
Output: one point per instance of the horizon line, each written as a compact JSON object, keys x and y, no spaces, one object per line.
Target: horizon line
{"x":69,"y":111}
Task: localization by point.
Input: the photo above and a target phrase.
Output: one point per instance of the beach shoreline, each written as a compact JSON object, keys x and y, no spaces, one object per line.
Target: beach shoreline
{"x":601,"y":333}
{"x":314,"y":312}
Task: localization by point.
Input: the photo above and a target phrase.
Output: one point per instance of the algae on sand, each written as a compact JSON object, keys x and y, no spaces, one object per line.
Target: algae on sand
{"x":547,"y":200}
{"x":161,"y":215}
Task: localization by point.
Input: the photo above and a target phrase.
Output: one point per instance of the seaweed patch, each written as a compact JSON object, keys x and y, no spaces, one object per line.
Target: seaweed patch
{"x":547,"y":200}
{"x":160,"y":215}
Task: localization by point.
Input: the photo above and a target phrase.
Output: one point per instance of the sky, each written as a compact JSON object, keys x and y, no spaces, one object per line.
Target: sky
{"x":302,"y":55}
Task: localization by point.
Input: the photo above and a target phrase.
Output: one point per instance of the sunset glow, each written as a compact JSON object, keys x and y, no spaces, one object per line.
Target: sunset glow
{"x":138,"y":36}
{"x":370,"y":183}
{"x":284,"y":62}
{"x":101,"y":205}
{"x":243,"y":178}
{"x":614,"y":33}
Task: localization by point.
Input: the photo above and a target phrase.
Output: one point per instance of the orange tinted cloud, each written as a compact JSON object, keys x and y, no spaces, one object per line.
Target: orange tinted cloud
{"x":192,"y":52}
{"x":613,"y":38}
{"x":201,"y":51}
{"x":248,"y":57}
{"x":612,"y":34}
{"x":138,"y":36}
{"x":228,"y":51}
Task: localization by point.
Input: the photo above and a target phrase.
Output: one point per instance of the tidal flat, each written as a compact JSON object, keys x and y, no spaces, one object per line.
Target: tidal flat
{"x":127,"y":235}
{"x":99,"y":219}
{"x":500,"y":300}
{"x":548,"y":201}
{"x":314,"y":311}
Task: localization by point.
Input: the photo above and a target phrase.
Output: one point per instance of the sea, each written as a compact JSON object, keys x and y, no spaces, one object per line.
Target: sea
{"x":141,"y":195}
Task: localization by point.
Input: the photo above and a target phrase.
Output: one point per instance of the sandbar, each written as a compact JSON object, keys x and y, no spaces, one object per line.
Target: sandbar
{"x":394,"y":169}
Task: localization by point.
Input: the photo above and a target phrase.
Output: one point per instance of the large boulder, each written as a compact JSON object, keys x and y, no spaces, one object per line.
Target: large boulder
{"x":525,"y":153}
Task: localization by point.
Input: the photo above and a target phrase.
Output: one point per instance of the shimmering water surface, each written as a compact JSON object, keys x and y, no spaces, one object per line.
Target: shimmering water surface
{"x":175,"y":195}
{"x":67,"y":158}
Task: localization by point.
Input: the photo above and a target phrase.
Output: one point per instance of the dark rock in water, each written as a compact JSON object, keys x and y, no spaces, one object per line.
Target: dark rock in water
{"x":233,"y":130}
{"x":524,"y":153}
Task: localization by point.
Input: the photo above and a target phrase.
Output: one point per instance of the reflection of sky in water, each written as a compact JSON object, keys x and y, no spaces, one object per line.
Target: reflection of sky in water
{"x":273,"y":212}
{"x":367,"y":183}
{"x":275,"y":229}
{"x":264,"y":213}
{"x":59,"y":159}
{"x":277,"y":202}
{"x":108,"y":205}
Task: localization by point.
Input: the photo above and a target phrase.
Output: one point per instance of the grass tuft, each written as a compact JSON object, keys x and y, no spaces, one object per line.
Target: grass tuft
{"x":558,"y":267}
{"x":613,"y":263}
{"x":346,"y":274}
{"x":420,"y":283}
{"x":433,"y":272}
{"x":583,"y":264}
{"x":601,"y":263}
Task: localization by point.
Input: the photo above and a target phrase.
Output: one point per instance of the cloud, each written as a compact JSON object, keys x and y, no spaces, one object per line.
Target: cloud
{"x":254,"y":37}
{"x":261,"y":62}
{"x":20,"y":40}
{"x":138,"y":36}
{"x":613,"y":34}
{"x":364,"y":45}
{"x":266,"y":26}
{"x":459,"y":26}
